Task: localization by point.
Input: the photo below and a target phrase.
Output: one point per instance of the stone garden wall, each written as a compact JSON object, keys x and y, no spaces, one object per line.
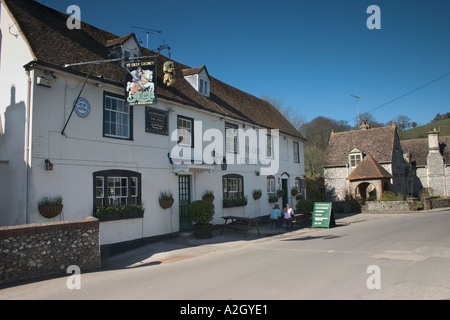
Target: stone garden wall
{"x":43,"y":249}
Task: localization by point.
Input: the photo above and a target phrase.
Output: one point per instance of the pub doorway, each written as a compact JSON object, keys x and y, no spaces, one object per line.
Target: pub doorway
{"x":184,"y":200}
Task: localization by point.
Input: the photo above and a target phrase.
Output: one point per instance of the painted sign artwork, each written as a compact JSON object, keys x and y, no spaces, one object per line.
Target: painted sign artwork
{"x":140,"y":81}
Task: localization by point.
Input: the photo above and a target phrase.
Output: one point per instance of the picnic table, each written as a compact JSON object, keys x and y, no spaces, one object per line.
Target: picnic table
{"x":240,"y":223}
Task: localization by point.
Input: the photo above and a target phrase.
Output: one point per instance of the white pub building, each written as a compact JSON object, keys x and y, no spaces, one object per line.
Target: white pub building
{"x":71,"y":125}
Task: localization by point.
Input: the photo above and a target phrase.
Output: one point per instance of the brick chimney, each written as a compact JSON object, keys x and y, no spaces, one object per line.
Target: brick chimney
{"x":364,"y":126}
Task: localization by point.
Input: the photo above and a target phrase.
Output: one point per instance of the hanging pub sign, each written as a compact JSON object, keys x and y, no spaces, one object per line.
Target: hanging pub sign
{"x":140,"y":82}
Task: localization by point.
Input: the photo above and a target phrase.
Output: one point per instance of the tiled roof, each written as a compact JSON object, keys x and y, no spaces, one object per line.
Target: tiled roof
{"x":379,"y":142}
{"x":54,"y":45}
{"x":417,"y":150}
{"x":369,"y":169}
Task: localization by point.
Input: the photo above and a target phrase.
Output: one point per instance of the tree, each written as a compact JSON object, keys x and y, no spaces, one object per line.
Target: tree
{"x":370,"y":119}
{"x":318,"y":132}
{"x":441,"y":116}
{"x":314,"y":157}
{"x":402,"y":122}
{"x":287,"y":111}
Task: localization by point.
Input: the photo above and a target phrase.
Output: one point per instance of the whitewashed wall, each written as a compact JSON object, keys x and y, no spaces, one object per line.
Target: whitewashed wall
{"x":82,"y":150}
{"x":13,"y":114}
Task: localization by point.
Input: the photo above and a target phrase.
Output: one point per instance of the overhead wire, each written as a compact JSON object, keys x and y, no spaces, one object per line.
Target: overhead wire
{"x":407,"y":93}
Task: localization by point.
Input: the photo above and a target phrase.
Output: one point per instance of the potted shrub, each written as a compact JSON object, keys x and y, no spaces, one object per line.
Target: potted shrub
{"x":201,"y":213}
{"x":208,"y":195}
{"x":257,"y":194}
{"x":166,"y":199}
{"x":50,"y":207}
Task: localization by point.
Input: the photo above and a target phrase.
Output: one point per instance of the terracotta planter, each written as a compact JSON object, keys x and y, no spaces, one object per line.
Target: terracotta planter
{"x":166,"y":203}
{"x":209,"y":198}
{"x":50,"y":211}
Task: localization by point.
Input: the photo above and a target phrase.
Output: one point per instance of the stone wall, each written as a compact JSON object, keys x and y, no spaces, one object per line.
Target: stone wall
{"x":43,"y":249}
{"x":440,"y":203}
{"x":386,"y":206}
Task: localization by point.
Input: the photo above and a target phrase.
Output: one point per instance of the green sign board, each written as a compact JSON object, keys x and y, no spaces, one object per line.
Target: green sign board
{"x":322,"y":216}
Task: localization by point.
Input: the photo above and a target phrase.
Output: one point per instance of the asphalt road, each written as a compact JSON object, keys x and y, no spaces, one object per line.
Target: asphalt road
{"x":397,"y":256}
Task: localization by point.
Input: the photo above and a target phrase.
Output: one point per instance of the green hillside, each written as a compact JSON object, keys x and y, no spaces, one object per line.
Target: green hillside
{"x":443,"y":126}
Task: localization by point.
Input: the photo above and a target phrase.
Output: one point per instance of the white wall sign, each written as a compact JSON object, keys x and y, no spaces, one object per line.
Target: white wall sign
{"x":82,"y":108}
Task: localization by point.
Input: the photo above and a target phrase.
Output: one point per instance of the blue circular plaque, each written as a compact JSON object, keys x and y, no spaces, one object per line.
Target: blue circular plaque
{"x":82,"y":108}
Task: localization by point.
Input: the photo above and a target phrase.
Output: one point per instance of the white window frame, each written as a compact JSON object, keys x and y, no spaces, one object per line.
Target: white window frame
{"x":117,"y":193}
{"x":270,"y":184}
{"x":354,"y":159}
{"x":117,"y":117}
{"x":233,"y":186}
{"x":231,"y":137}
{"x":296,"y":147}
{"x":203,"y":86}
{"x":269,"y":145}
{"x":185,"y":132}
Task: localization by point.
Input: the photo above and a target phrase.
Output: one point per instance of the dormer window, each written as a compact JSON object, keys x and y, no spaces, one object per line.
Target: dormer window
{"x":199,"y":79}
{"x":203,"y":87}
{"x":354,"y":157}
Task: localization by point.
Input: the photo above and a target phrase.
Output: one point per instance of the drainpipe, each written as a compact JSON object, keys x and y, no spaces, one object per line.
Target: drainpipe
{"x":27,"y":146}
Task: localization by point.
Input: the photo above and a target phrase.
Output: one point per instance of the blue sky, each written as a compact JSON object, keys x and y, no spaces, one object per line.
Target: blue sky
{"x":310,"y":54}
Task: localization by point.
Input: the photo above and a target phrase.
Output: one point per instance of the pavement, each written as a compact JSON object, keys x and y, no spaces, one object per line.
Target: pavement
{"x":187,"y":246}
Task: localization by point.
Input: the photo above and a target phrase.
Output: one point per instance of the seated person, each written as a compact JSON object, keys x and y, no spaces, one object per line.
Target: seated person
{"x":275,"y":216}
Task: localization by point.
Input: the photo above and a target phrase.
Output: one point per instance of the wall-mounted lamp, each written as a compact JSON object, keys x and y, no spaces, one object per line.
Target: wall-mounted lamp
{"x":41,"y":81}
{"x":48,"y":165}
{"x":223,"y":166}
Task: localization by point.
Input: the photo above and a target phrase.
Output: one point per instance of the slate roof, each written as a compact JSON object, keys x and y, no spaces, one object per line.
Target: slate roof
{"x":54,"y":45}
{"x":379,"y":142}
{"x":369,"y":169}
{"x":417,"y":150}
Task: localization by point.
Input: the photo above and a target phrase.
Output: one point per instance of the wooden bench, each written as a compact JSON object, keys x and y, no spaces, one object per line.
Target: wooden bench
{"x":300,"y":218}
{"x":240,"y":224}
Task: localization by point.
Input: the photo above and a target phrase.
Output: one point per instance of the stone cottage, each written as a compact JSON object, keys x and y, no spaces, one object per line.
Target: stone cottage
{"x":364,"y":163}
{"x":427,"y":164}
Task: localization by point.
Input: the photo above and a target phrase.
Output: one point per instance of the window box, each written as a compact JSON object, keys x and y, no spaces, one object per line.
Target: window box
{"x":119,"y":212}
{"x":238,"y":202}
